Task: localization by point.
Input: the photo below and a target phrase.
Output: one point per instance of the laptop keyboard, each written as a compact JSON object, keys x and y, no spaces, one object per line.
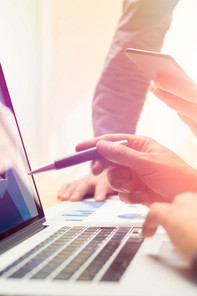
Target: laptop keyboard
{"x":79,"y":253}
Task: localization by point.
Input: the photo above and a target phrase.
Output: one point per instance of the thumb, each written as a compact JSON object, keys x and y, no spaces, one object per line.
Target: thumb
{"x":120,"y":154}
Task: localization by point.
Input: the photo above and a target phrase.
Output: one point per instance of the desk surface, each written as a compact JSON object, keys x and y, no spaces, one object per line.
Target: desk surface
{"x":48,"y":191}
{"x":48,"y":184}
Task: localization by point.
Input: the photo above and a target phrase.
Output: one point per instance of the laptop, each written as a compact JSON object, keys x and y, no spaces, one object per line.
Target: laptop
{"x":84,"y":248}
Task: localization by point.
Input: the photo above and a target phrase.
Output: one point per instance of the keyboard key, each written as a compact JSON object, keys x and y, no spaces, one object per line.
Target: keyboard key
{"x":83,"y":256}
{"x":64,"y":254}
{"x":34,"y":250}
{"x":44,"y":254}
{"x":57,"y":249}
{"x":89,"y":273}
{"x":121,"y":262}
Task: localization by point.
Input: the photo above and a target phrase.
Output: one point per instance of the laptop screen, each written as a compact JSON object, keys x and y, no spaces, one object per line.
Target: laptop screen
{"x":19,"y":201}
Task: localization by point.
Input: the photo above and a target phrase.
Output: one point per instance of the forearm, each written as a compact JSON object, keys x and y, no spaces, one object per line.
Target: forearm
{"x":121,"y":90}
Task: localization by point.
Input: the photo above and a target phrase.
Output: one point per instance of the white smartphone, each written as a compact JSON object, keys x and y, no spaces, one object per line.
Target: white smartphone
{"x":154,"y":64}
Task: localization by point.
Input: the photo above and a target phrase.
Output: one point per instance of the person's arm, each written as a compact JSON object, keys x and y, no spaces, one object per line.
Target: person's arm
{"x":122,"y":88}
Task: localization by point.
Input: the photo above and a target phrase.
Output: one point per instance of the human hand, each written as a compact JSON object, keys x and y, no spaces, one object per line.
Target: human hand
{"x":144,"y":171}
{"x":179,"y":220}
{"x":179,"y":96}
{"x":90,"y":184}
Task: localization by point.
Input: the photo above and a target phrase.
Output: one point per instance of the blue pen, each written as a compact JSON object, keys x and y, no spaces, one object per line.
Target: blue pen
{"x":73,"y":159}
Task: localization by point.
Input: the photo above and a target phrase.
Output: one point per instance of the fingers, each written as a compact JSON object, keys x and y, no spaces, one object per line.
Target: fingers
{"x":178,"y":104}
{"x":185,"y":90}
{"x":102,"y":190}
{"x":65,"y":192}
{"x":168,"y":98}
{"x":74,"y":191}
{"x":98,"y":166}
{"x":192,"y":125}
{"x":164,"y":213}
{"x":120,"y":179}
{"x":141,"y":196}
{"x":137,"y":197}
{"x":185,"y":199}
{"x":159,"y":214}
{"x":120,"y":154}
{"x":134,"y":141}
{"x":130,"y":188}
{"x":96,"y":186}
{"x":178,"y":219}
{"x":92,"y":142}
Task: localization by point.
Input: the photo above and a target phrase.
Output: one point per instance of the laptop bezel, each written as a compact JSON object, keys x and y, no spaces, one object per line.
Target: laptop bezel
{"x":26,"y":229}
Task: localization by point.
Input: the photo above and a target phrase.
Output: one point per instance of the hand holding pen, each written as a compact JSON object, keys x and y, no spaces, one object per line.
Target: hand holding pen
{"x":73,"y":159}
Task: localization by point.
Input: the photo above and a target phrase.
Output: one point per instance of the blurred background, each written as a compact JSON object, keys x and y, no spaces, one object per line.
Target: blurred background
{"x":52,"y":53}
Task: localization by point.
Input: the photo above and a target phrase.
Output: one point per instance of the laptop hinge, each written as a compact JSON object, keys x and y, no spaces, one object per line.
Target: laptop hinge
{"x":21,"y":235}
